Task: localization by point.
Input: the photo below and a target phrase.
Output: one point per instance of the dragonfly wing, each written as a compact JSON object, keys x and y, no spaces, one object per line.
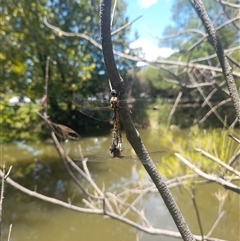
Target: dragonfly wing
{"x":97,"y":109}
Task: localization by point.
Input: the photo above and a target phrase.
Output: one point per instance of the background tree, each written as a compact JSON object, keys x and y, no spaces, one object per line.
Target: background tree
{"x":199,"y":87}
{"x":76,"y":66}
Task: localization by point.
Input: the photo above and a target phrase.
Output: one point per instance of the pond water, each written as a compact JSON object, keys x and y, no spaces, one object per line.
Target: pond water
{"x":38,"y":167}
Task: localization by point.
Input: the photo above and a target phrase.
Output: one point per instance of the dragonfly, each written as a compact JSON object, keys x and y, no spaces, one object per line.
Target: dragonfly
{"x":105,"y":110}
{"x":103,"y":113}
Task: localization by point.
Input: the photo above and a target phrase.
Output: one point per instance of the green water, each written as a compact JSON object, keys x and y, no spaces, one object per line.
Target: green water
{"x":38,"y":167}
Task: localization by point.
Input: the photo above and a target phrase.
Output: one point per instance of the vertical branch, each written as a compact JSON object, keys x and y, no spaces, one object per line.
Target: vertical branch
{"x":174,"y":107}
{"x":1,"y":199}
{"x":105,"y":21}
{"x":227,"y":70}
{"x":9,"y":232}
{"x":197,"y":213}
{"x":131,"y":132}
{"x":46,"y":84}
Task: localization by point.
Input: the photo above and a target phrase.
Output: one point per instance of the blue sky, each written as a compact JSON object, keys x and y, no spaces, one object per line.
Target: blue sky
{"x":156,"y":16}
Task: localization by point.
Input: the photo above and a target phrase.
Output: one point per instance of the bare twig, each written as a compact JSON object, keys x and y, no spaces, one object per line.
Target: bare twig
{"x":126,"y":25}
{"x":133,"y":58}
{"x":46,"y":84}
{"x":228,"y":185}
{"x":215,"y":159}
{"x":229,"y":4}
{"x":9,"y":232}
{"x":197,"y":212}
{"x":213,"y":110}
{"x":234,"y":158}
{"x":234,"y":138}
{"x":215,"y":224}
{"x":1,"y":199}
{"x":174,"y":107}
{"x":227,"y":70}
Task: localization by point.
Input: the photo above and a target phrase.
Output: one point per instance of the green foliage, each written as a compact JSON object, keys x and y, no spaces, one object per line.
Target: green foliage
{"x":75,"y":65}
{"x":216,"y":142}
{"x":18,"y":122}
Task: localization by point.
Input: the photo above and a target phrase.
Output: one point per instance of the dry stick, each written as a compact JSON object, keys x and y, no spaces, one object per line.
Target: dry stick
{"x":234,"y":138}
{"x":131,"y":133}
{"x":93,"y":184}
{"x":197,"y":212}
{"x":227,"y":70}
{"x":174,"y":107}
{"x":233,"y":5}
{"x":234,"y":158}
{"x":213,"y":109}
{"x":133,"y":58}
{"x":191,"y":77}
{"x":9,"y":232}
{"x":65,"y":159}
{"x":112,"y":15}
{"x":226,"y":51}
{"x":1,"y":199}
{"x":234,"y":61}
{"x":46,"y":83}
{"x":215,"y":159}
{"x":154,"y":231}
{"x":207,"y":99}
{"x":126,"y":25}
{"x":215,"y":224}
{"x":48,"y":199}
{"x":132,"y":208}
{"x":227,"y":15}
{"x":226,"y":184}
{"x":218,"y":28}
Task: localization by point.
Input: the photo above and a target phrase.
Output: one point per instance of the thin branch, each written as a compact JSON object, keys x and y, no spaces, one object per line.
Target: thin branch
{"x":215,"y":159}
{"x":9,"y":232}
{"x":197,"y":213}
{"x":234,"y":138}
{"x":217,"y":28}
{"x":134,"y":58}
{"x":215,"y":224}
{"x":213,"y":109}
{"x":46,"y":84}
{"x":49,"y":199}
{"x":228,"y":185}
{"x":174,"y":107}
{"x":113,"y":11}
{"x":229,"y":4}
{"x":126,"y":25}
{"x":190,"y":30}
{"x":1,"y":198}
{"x":234,"y":158}
{"x":214,"y":55}
{"x":227,"y":70}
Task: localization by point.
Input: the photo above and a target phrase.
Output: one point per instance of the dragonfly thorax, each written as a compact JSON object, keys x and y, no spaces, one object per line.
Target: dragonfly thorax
{"x":114,"y":99}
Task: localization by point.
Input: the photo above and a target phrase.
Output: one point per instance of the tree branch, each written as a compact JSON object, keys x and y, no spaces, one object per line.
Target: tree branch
{"x":131,"y":133}
{"x":227,"y":70}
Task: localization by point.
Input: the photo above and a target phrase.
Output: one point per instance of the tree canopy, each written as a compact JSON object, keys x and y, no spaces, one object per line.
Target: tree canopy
{"x":75,"y":66}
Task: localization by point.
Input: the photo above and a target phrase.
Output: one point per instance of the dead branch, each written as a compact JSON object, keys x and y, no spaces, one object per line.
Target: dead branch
{"x":134,"y":58}
{"x":227,"y":70}
{"x":215,"y":159}
{"x":213,"y":178}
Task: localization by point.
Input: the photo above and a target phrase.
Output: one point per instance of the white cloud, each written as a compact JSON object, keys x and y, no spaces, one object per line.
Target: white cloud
{"x":152,"y":52}
{"x":147,"y":3}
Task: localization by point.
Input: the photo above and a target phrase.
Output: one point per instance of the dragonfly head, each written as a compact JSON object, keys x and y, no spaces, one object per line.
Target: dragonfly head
{"x":114,"y":93}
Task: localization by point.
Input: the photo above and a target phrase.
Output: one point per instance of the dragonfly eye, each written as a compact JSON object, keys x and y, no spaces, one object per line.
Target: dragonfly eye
{"x":114,"y":93}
